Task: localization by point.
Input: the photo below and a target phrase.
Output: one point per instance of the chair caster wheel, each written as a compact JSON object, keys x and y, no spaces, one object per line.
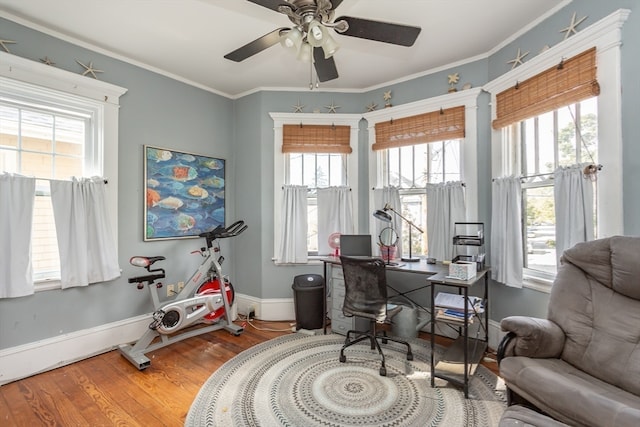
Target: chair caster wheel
{"x":383,"y":372}
{"x":343,"y":358}
{"x":409,"y":356}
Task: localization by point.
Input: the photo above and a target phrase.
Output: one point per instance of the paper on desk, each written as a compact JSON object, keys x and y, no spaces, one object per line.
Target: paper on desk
{"x":456,"y":302}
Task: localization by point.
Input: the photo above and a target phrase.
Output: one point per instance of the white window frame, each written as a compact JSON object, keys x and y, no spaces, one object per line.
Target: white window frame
{"x":20,"y":76}
{"x":606,"y":36}
{"x":281,"y":119}
{"x":468,"y":149}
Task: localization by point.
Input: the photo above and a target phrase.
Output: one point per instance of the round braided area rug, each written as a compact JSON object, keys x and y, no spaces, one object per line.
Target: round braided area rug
{"x":297,"y":380}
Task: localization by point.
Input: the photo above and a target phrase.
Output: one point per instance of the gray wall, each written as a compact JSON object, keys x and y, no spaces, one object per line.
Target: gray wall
{"x":162,"y":112}
{"x":155,"y":110}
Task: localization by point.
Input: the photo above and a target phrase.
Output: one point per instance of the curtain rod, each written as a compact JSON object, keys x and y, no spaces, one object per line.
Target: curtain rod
{"x":415,"y":188}
{"x":317,"y":188}
{"x":106,"y":181}
{"x":588,"y":169}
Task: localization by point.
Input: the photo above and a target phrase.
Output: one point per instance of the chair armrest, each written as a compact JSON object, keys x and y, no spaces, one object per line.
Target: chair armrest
{"x":530,"y":337}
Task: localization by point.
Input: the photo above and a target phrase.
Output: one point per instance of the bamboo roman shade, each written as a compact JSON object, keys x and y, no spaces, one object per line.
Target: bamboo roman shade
{"x":316,"y":139}
{"x":428,"y":127}
{"x":569,"y":82}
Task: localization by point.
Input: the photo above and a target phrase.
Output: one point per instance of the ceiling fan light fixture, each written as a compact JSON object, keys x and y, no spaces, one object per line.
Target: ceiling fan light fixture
{"x":329,"y":47}
{"x":316,"y":33}
{"x":304,"y":54}
{"x":292,"y":39}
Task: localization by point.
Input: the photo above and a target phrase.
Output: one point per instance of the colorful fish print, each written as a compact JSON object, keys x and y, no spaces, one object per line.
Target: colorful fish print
{"x":179,"y":172}
{"x":214,"y":164}
{"x":169,"y":203}
{"x":153,"y":183}
{"x":213,"y":182}
{"x":196,"y":192}
{"x":158,"y":155}
{"x":183,"y":222}
{"x":186,"y":157}
{"x":152,"y":197}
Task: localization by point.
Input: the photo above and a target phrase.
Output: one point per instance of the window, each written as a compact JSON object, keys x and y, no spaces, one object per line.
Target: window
{"x":303,"y":163}
{"x":562,"y":134}
{"x":315,"y":170}
{"x":48,"y":133}
{"x":410,"y":169}
{"x":563,"y":137}
{"x":43,"y":141}
{"x":409,"y":163}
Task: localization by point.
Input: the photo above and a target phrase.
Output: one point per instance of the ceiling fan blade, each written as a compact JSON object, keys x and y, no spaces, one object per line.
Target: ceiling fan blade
{"x":385,"y":32}
{"x":335,"y":3}
{"x":256,"y":46}
{"x":325,"y":68}
{"x":272,"y":4}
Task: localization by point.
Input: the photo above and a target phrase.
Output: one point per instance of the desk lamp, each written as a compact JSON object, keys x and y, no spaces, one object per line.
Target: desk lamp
{"x":383,"y":215}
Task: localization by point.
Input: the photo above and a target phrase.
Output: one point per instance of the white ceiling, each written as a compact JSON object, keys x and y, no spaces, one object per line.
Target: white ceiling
{"x":187,"y":39}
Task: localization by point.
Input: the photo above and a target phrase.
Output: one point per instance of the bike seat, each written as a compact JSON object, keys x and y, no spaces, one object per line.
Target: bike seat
{"x":144,"y":261}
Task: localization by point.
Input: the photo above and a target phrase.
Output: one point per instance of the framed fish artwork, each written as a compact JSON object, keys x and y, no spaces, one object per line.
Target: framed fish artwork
{"x":184,"y":194}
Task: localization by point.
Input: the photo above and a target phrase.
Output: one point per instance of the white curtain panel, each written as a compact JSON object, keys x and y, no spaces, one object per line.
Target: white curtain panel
{"x":506,"y":231}
{"x":573,"y":196}
{"x":86,"y":243}
{"x":335,"y":214}
{"x":382,"y":197}
{"x":445,"y":207}
{"x":17,"y":196}
{"x":292,"y":247}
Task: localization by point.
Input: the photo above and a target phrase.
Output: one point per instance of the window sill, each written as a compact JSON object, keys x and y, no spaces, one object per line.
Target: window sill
{"x":47,"y":285}
{"x":537,"y":284}
{"x":313,"y":260}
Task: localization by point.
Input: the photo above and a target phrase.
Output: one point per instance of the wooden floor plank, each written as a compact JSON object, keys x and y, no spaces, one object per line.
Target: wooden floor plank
{"x":107,"y":390}
{"x":5,"y":411}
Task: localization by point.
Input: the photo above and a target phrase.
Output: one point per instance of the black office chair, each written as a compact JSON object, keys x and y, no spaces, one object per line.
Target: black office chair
{"x":365,"y":284}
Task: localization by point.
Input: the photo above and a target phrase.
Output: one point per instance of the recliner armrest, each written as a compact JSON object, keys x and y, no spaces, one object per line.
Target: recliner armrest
{"x":531,"y":337}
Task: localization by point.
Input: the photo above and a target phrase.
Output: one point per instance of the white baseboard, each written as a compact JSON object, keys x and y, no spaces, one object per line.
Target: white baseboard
{"x":29,"y":359}
{"x":274,"y":309}
{"x":33,"y":358}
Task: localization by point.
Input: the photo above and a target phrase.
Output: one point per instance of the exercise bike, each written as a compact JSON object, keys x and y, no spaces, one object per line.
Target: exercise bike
{"x":206,"y":298}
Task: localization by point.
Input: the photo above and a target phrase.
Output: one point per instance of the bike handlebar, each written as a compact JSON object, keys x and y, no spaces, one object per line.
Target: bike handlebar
{"x":222,"y":233}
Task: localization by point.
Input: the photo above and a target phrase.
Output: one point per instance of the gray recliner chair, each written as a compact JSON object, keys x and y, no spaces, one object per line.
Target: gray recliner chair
{"x":365,"y":283}
{"x":581,"y":365}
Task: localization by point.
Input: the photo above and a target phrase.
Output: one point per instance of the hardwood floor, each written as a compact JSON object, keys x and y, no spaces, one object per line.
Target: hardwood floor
{"x":106,"y":390}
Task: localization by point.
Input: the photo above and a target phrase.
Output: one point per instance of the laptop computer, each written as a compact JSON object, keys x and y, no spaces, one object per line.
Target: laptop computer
{"x":355,"y":245}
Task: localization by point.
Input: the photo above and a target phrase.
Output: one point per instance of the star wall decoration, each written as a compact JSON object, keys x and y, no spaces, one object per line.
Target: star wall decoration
{"x":372,"y":107}
{"x":4,"y":43}
{"x":332,"y":108}
{"x":88,"y":69}
{"x":453,"y":80}
{"x":47,"y":61}
{"x":387,"y":98}
{"x":298,"y":108}
{"x":571,"y":29}
{"x":518,"y":59}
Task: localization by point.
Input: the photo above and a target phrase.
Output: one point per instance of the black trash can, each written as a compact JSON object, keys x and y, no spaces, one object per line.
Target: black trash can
{"x":308,"y":299}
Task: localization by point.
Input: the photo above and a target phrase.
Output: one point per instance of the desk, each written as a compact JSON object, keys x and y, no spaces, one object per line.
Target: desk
{"x":458,"y":363}
{"x":333,"y":277}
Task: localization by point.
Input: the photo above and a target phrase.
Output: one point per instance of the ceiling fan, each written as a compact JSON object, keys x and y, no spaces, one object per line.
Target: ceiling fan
{"x":309,"y":37}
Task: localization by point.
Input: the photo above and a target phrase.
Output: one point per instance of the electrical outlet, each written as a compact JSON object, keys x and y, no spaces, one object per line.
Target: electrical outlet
{"x":171,"y":290}
{"x":180,"y":286}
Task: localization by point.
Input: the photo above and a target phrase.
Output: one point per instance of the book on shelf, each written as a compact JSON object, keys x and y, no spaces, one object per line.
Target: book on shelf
{"x":453,"y":315}
{"x":447,"y":300}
